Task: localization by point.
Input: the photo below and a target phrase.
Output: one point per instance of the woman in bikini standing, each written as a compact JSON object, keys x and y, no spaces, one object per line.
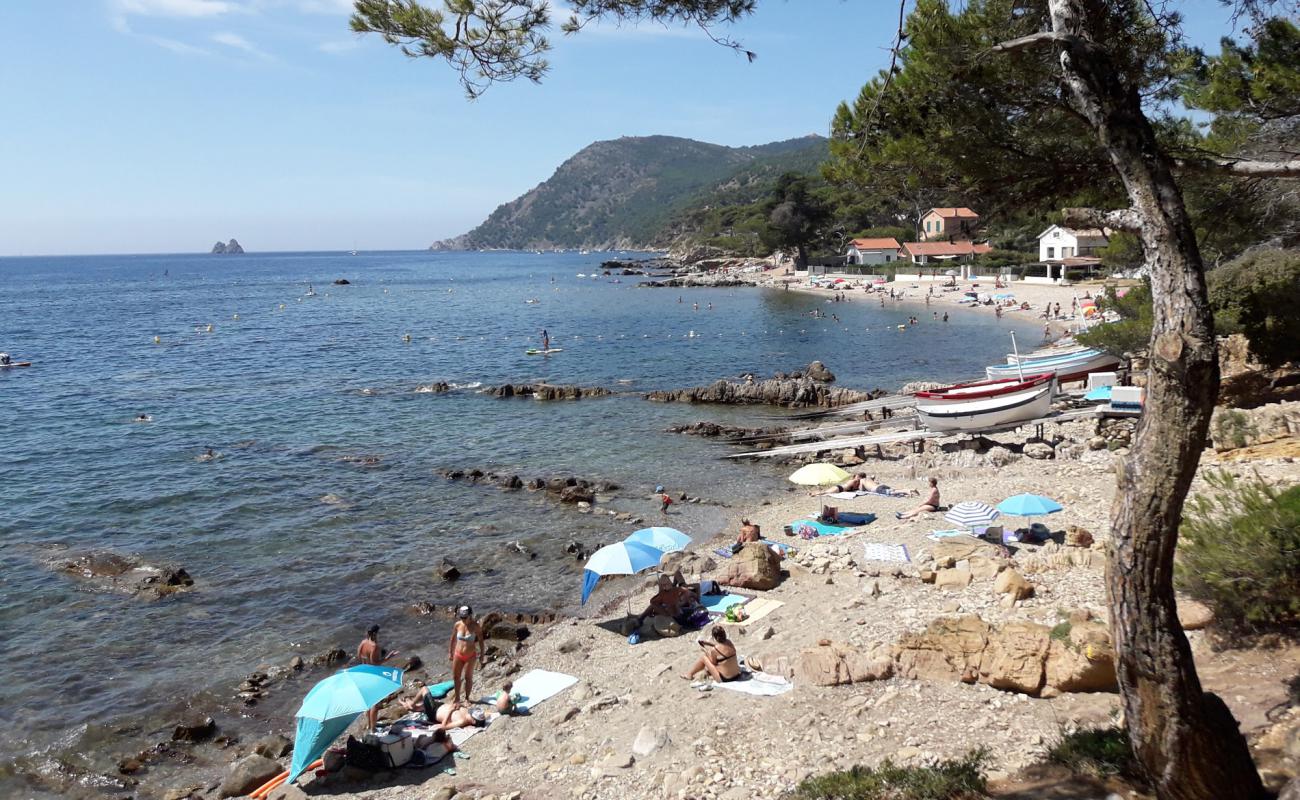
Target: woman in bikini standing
{"x":465,"y":646}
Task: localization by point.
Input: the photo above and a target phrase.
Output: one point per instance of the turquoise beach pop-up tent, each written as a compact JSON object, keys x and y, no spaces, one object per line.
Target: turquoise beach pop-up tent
{"x":331,"y":706}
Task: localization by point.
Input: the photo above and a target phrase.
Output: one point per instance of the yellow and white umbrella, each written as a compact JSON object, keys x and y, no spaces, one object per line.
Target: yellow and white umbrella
{"x":822,"y":474}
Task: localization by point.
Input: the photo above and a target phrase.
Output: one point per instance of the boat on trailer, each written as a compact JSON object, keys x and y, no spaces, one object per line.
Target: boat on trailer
{"x":979,"y":390}
{"x":988,"y":412}
{"x":1071,"y":366}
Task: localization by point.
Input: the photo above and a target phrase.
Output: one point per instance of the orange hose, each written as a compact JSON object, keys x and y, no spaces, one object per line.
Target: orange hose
{"x":269,"y":785}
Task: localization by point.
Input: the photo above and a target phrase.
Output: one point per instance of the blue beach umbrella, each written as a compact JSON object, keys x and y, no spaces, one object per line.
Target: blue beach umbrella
{"x":1029,"y":505}
{"x":669,"y":540}
{"x":331,"y":705}
{"x":623,"y":558}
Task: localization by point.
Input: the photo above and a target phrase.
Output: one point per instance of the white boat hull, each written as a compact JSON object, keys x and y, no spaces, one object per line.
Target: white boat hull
{"x":987,"y":413}
{"x":1065,"y":368}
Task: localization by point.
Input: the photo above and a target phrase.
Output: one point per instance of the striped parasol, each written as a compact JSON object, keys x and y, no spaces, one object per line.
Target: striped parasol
{"x":971,"y":514}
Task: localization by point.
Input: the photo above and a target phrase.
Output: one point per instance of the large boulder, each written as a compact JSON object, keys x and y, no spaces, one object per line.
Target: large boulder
{"x":1011,"y":583}
{"x":818,"y":372}
{"x":1083,"y":662}
{"x":1015,"y":657}
{"x":247,"y":774}
{"x":950,"y":649}
{"x":756,"y":566}
{"x":947,"y":552}
{"x":827,"y":664}
{"x":1194,"y":615}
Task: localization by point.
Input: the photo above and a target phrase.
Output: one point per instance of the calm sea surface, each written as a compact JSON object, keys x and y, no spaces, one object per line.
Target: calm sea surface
{"x":289,"y":388}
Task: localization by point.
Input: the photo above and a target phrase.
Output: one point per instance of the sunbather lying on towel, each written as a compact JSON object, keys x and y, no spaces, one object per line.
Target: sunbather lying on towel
{"x":930,"y":505}
{"x":445,"y":715}
{"x":719,"y":659}
{"x":853,"y":484}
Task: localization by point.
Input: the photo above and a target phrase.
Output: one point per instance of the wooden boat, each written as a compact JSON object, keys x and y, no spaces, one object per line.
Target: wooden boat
{"x":979,"y":390}
{"x":1072,"y":366}
{"x":987,"y":412}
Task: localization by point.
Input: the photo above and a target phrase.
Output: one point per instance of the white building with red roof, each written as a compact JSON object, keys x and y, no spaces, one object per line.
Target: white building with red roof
{"x":873,"y":251}
{"x":939,"y":252}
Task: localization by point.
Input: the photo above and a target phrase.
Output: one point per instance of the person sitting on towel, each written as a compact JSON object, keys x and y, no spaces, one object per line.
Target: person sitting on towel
{"x":671,"y":601}
{"x":930,"y":505}
{"x":748,"y":533}
{"x":851,"y":485}
{"x":719,"y":659}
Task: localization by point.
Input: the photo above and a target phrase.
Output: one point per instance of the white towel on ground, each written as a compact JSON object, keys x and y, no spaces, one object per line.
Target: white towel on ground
{"x":759,"y":683}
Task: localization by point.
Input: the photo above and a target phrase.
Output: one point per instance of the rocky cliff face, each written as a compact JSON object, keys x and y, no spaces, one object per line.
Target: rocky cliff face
{"x":227,"y":248}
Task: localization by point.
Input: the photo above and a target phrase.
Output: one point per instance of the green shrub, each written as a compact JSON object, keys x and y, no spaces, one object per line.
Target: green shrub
{"x":1239,"y":552}
{"x":1061,"y":632}
{"x":1131,"y":333}
{"x":1257,"y":294}
{"x":955,"y":779}
{"x":1100,"y":752}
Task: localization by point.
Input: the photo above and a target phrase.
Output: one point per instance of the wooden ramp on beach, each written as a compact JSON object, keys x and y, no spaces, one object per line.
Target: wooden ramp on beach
{"x":893,"y":402}
{"x":911,"y":436}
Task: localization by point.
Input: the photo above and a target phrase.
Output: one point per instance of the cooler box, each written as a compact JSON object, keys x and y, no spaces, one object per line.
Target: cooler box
{"x":398,"y":747}
{"x":1096,"y":379}
{"x":1128,"y":397}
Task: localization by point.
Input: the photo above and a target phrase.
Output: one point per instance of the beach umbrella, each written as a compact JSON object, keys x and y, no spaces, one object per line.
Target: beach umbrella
{"x":623,"y":558}
{"x":669,"y":540}
{"x":822,"y":474}
{"x":971,"y":514}
{"x":1029,"y":506}
{"x":952,"y":273}
{"x":331,"y":706}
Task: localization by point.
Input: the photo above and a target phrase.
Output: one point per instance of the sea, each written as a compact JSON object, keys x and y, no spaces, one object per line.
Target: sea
{"x":322,"y":509}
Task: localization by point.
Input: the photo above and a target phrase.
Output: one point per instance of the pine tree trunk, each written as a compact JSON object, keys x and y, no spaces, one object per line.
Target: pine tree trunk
{"x":1186,"y":739}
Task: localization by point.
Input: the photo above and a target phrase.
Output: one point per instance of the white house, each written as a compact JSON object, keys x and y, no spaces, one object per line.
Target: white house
{"x":872,"y":251}
{"x":1058,"y":243}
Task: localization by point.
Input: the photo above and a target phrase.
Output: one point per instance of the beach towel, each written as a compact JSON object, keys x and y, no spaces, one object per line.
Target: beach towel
{"x":822,"y":528}
{"x":783,"y":548}
{"x":717,"y":603}
{"x":883,"y":551}
{"x":537,"y":685}
{"x":938,"y":535}
{"x":756,"y":609}
{"x":884,"y":491}
{"x":757,"y":683}
{"x":854,"y":518}
{"x":723,"y":551}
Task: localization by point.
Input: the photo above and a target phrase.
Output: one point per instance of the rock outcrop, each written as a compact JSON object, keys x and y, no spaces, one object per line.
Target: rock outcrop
{"x":227,"y":248}
{"x":1245,"y":383}
{"x":1235,"y":428}
{"x":754,"y":567}
{"x":546,"y":391}
{"x":797,"y":390}
{"x":1022,"y":657}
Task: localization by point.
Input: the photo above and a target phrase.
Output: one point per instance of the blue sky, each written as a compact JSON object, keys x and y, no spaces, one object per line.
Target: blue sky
{"x":164,"y":125}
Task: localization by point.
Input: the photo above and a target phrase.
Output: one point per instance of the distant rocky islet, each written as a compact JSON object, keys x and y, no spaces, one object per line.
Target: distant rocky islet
{"x":231,"y":247}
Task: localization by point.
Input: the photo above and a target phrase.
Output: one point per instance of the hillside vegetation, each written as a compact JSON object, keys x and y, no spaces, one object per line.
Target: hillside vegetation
{"x":639,"y":192}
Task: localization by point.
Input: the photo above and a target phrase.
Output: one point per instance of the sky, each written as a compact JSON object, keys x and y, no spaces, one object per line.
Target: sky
{"x":135,"y":126}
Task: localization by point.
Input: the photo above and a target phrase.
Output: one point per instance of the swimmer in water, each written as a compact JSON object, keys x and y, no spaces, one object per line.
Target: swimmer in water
{"x":208,"y":455}
{"x":143,"y":418}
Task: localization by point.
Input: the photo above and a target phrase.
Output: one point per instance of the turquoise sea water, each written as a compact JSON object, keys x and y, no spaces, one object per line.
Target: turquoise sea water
{"x":288,"y":397}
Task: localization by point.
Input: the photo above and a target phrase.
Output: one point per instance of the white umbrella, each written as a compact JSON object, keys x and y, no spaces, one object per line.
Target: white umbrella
{"x":971,"y":514}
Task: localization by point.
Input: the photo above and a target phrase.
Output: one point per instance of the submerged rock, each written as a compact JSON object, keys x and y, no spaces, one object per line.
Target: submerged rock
{"x":107,"y":571}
